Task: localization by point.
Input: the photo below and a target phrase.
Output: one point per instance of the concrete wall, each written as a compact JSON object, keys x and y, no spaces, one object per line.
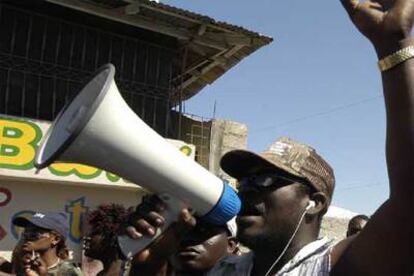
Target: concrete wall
{"x":225,"y":136}
{"x":27,"y":196}
{"x":212,"y":139}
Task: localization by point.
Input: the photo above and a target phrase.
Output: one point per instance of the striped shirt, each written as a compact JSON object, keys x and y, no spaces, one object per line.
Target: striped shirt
{"x":313,"y":259}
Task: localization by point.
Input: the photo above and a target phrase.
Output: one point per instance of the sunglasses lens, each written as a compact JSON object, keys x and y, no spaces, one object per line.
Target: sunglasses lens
{"x":256,"y":181}
{"x":34,"y":235}
{"x":30,"y":235}
{"x":265,"y":180}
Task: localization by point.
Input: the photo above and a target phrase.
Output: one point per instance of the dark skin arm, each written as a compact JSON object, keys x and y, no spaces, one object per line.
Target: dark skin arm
{"x":386,"y":245}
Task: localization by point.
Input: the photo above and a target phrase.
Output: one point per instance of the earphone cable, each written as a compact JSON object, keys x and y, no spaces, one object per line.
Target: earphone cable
{"x":289,"y":242}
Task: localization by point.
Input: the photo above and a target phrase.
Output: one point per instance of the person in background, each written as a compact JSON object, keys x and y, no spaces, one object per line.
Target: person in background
{"x":5,"y":266}
{"x":356,"y":224}
{"x":42,"y":247}
{"x":15,"y":266}
{"x":106,"y":223}
{"x":197,"y":251}
{"x":203,"y":247}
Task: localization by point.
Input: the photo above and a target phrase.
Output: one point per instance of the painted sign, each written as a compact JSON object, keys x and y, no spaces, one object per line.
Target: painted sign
{"x":19,"y":139}
{"x":27,"y":198}
{"x":70,"y":188}
{"x":5,"y":198}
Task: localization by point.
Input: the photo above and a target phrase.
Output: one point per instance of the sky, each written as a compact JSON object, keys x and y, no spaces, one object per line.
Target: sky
{"x":317,"y":83}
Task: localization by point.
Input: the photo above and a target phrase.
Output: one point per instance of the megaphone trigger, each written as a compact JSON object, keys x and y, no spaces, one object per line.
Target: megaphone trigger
{"x":173,"y":207}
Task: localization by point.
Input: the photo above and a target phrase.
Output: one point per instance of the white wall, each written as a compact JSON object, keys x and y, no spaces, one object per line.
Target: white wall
{"x":74,"y":200}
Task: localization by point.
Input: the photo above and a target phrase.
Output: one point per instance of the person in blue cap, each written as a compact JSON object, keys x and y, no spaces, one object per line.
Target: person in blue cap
{"x":43,"y":245}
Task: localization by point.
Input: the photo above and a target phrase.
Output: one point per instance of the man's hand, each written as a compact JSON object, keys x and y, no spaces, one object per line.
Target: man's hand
{"x":145,"y":221}
{"x":146,"y":218}
{"x":384,"y":22}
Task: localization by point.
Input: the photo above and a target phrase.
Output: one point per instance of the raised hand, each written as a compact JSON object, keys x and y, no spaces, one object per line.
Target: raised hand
{"x":384,"y":22}
{"x":34,"y":265}
{"x":145,"y":221}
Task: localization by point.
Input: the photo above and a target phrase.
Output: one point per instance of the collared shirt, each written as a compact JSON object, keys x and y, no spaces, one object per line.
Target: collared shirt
{"x":313,"y":259}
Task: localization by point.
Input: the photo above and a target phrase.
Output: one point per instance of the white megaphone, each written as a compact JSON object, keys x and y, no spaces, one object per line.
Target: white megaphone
{"x":99,"y":129}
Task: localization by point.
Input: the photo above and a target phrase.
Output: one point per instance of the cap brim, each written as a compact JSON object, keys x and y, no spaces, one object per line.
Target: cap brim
{"x":21,"y":222}
{"x":240,"y":163}
{"x":24,"y":222}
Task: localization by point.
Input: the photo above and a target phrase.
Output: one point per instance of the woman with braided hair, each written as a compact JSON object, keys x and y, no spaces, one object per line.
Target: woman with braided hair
{"x":106,"y":222}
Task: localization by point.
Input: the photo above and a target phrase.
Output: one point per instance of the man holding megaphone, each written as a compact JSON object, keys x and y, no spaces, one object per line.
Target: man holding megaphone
{"x":286,"y":190}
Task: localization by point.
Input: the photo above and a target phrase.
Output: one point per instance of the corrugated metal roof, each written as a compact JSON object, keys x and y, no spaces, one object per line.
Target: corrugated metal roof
{"x":188,"y":14}
{"x":214,"y":46}
{"x":212,"y":21}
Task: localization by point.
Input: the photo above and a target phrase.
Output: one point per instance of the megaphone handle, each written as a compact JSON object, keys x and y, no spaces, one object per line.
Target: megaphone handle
{"x":131,"y":247}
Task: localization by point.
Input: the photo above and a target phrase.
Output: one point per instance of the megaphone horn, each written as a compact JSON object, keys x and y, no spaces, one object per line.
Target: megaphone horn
{"x":99,"y":129}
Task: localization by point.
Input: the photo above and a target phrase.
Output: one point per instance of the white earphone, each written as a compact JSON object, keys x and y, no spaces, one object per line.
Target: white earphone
{"x":311,"y":204}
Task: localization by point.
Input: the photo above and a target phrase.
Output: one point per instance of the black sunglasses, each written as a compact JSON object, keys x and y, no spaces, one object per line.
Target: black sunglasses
{"x":34,"y":234}
{"x":270,"y":180}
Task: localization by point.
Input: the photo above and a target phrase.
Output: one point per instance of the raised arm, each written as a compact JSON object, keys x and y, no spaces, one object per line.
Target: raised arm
{"x":386,"y":246}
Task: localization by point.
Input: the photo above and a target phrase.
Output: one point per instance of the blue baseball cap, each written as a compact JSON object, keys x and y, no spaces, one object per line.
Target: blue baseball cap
{"x":48,"y":220}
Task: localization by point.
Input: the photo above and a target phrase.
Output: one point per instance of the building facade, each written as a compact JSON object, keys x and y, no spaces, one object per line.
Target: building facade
{"x":49,"y":49}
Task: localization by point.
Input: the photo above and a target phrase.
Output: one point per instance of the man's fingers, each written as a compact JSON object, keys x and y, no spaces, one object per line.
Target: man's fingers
{"x":187,"y":219}
{"x":140,"y":228}
{"x":142,"y":257}
{"x":155,"y":219}
{"x":133,"y":233}
{"x":144,"y":227}
{"x":350,"y":6}
{"x":152,"y":217}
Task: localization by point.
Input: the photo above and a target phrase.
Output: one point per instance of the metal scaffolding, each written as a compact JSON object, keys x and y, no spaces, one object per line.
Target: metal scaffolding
{"x":197,"y":131}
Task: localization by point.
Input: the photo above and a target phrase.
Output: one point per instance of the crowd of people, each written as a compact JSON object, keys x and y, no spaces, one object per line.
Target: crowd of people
{"x":42,"y":248}
{"x":285,"y":191}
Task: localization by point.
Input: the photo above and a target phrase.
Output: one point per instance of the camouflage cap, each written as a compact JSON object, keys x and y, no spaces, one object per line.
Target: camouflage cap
{"x":288,"y":156}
